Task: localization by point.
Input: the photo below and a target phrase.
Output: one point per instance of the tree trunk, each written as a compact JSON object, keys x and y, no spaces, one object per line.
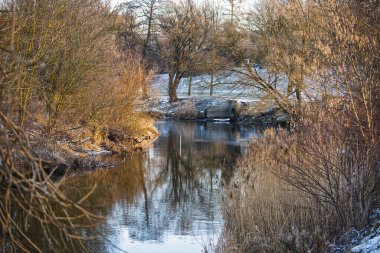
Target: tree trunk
{"x":299,"y":87}
{"x":173,"y":84}
{"x":212,"y":84}
{"x":146,"y":45}
{"x":144,"y":87}
{"x":298,"y":95}
{"x":289,"y":89}
{"x":149,"y":32}
{"x":190,"y":82}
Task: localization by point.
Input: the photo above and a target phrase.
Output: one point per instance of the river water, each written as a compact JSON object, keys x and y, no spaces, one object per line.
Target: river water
{"x":168,"y":198}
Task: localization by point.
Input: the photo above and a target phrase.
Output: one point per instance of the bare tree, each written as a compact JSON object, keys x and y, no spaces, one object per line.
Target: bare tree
{"x":214,"y":61}
{"x":145,"y":13}
{"x":331,"y":157}
{"x":280,"y":37}
{"x":233,"y":10}
{"x":210,"y":60}
{"x":141,"y":25}
{"x":183,"y":34}
{"x":47,"y":57}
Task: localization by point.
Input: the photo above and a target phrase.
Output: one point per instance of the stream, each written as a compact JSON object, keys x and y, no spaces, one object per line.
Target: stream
{"x":168,"y":198}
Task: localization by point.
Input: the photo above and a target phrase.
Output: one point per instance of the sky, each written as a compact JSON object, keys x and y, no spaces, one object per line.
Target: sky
{"x":116,"y":2}
{"x":246,"y":2}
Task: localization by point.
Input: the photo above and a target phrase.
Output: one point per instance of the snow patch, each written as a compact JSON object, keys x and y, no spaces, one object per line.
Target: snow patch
{"x":221,"y":120}
{"x":368,"y":244}
{"x":98,"y":153}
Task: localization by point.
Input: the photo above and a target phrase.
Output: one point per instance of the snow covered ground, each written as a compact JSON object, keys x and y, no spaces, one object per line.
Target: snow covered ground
{"x":227,"y":84}
{"x":365,"y":241}
{"x":224,"y":87}
{"x":371,"y":241}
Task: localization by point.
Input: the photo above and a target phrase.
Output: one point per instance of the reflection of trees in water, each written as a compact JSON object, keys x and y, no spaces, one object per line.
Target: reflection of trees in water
{"x":184,"y":192}
{"x":179,"y":195}
{"x":173,"y":187}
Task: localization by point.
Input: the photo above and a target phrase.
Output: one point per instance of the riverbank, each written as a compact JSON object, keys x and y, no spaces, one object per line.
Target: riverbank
{"x":249,"y":112}
{"x":83,"y":148}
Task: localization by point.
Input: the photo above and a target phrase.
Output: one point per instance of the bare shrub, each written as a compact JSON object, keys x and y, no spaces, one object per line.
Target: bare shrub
{"x":30,"y":197}
{"x":331,"y":162}
{"x":112,"y":104}
{"x":48,"y":52}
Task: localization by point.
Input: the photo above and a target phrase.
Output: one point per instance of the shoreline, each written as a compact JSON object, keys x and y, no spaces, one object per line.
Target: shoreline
{"x":81,"y":151}
{"x":60,"y":156}
{"x":196,"y":109}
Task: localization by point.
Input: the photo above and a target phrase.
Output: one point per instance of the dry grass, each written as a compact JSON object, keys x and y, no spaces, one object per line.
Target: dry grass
{"x":115,"y":107}
{"x":298,"y":192}
{"x":264,"y":214}
{"x":110,"y":107}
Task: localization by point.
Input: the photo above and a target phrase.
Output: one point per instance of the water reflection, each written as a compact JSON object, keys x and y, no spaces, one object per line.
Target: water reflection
{"x":166,"y":199}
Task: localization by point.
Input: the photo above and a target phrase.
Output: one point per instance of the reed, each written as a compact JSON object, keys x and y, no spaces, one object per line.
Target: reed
{"x":299,"y":191}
